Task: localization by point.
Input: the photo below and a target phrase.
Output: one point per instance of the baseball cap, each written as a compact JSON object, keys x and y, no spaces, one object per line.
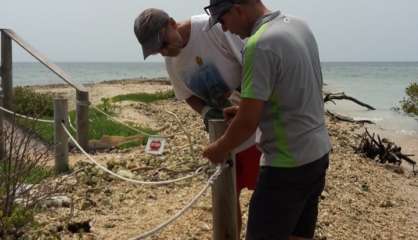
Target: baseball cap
{"x":217,"y":9}
{"x":147,"y":30}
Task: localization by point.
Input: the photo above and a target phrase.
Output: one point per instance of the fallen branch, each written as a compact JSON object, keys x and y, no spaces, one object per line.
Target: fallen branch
{"x":347,"y":119}
{"x":329,"y":97}
{"x":382,"y":150}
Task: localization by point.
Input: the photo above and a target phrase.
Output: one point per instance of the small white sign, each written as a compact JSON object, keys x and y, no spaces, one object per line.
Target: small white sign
{"x":155,"y":145}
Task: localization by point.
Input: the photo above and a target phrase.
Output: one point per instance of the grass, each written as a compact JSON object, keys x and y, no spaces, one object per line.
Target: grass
{"x":35,"y":175}
{"x":145,"y":97}
{"x":99,"y":125}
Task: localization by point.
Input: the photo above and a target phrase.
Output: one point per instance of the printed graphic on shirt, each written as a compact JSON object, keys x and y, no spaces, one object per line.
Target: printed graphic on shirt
{"x":199,"y":61}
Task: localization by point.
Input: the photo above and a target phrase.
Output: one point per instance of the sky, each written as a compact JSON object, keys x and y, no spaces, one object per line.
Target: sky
{"x":102,"y":30}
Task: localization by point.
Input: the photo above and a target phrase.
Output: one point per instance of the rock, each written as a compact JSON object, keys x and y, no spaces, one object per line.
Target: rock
{"x":126,"y":173}
{"x":109,"y":225}
{"x":131,"y":165}
{"x":79,"y":227}
{"x":387,"y":204}
{"x":324,"y":195}
{"x":87,"y":203}
{"x":88,"y":236}
{"x":108,"y":192}
{"x":58,"y":202}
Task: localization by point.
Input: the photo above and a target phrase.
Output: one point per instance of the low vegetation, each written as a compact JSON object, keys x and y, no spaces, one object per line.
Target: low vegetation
{"x":410,"y":103}
{"x":23,"y":167}
{"x":145,"y":97}
{"x":100,"y":124}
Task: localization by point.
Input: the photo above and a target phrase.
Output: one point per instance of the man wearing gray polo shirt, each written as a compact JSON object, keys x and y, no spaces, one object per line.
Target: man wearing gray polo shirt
{"x":282,"y":96}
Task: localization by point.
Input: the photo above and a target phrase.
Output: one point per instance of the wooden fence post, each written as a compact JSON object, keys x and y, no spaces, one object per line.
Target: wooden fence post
{"x":2,"y":143}
{"x":82,"y":100}
{"x":60,"y":136}
{"x":6,"y":69}
{"x":224,"y":194}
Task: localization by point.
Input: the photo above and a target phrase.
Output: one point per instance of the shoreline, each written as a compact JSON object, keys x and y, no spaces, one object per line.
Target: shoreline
{"x":162,"y":80}
{"x":409,"y":142}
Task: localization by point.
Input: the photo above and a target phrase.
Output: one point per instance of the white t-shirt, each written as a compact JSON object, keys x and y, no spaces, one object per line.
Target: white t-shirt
{"x":214,"y":48}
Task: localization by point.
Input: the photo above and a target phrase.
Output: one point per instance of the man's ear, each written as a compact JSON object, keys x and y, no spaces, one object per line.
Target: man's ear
{"x":172,"y":23}
{"x":241,"y":11}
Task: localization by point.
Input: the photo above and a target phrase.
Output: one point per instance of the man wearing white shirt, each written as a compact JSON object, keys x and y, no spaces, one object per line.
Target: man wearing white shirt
{"x":204,"y":69}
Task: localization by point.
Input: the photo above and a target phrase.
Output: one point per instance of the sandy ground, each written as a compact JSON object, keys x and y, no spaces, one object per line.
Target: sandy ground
{"x":362,"y":199}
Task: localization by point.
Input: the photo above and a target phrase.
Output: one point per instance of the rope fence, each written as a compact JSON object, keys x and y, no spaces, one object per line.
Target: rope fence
{"x":160,"y":227}
{"x":71,"y":124}
{"x":26,"y":117}
{"x":196,"y":173}
{"x":189,"y":138}
{"x":210,"y":182}
{"x":163,"y":225}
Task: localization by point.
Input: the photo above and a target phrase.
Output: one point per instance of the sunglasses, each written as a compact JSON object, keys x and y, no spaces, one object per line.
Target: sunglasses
{"x":219,"y":8}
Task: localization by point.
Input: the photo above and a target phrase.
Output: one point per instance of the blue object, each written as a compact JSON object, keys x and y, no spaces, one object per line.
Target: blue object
{"x":208,"y":84}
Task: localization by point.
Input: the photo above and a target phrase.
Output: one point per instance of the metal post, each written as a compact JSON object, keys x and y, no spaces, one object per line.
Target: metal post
{"x":224,"y":194}
{"x":6,"y":69}
{"x":60,"y":136}
{"x":83,"y":103}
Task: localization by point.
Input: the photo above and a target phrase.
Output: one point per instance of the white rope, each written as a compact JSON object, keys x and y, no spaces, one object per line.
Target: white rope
{"x":26,"y":117}
{"x":197,"y":172}
{"x":124,"y":124}
{"x":71,"y":125}
{"x":211,"y":180}
{"x":189,"y":138}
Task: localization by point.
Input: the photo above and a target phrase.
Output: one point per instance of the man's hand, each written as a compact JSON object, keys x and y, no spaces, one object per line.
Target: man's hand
{"x":229,"y":113}
{"x":215,"y":154}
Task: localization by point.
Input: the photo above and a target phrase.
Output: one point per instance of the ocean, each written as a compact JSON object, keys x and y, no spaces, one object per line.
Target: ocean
{"x":380,"y":84}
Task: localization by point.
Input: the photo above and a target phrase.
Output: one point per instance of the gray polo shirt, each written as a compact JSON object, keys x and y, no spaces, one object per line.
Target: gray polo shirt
{"x":282,"y":68}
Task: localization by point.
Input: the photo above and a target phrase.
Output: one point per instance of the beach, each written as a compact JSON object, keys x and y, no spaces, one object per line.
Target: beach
{"x":362,"y":199}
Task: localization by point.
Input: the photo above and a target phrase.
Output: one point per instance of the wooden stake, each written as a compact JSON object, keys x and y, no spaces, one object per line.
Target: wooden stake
{"x":6,"y":69}
{"x":224,"y":194}
{"x":60,"y":136}
{"x":82,"y":99}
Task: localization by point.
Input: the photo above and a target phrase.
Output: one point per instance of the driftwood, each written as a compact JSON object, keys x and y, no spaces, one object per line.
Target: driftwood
{"x":347,"y":119}
{"x":330,"y":97}
{"x":382,"y":150}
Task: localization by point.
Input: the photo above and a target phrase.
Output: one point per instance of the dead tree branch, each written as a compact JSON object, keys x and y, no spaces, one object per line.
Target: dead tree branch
{"x":382,"y":150}
{"x":330,"y":97}
{"x":347,"y":119}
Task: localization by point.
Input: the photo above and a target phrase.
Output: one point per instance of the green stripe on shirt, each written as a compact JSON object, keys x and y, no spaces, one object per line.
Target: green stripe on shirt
{"x":247,"y":86}
{"x":284,"y":157}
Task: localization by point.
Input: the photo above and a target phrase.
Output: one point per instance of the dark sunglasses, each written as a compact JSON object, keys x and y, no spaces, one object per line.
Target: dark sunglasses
{"x":219,"y":8}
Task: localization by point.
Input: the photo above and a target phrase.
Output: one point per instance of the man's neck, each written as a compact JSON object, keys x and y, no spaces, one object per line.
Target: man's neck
{"x":185,"y":28}
{"x":258,"y":12}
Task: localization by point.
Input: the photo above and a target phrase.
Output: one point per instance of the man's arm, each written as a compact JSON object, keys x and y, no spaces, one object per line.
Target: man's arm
{"x":196,"y":103}
{"x":241,"y":128}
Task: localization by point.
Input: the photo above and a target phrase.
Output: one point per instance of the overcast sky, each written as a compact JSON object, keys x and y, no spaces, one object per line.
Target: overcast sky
{"x":102,"y":30}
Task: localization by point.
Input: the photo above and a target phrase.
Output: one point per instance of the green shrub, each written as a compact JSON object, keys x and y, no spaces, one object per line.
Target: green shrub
{"x":107,"y":106}
{"x":34,"y":176}
{"x":12,"y":226}
{"x":410,"y":103}
{"x":145,"y":97}
{"x":28,"y":102}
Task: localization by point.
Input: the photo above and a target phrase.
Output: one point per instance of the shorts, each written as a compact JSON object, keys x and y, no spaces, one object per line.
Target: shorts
{"x":285,"y":202}
{"x":247,"y":164}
